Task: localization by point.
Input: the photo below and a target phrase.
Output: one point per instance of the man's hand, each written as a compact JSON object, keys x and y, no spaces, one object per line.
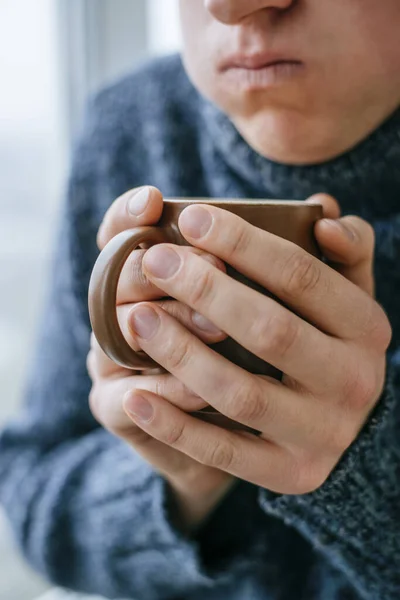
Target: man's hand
{"x":331,"y":347}
{"x":195,"y":488}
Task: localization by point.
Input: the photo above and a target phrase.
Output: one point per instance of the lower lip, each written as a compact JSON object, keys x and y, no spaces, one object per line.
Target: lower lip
{"x":265,"y":77}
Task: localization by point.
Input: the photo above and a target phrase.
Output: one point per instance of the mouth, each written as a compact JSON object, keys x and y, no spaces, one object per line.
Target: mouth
{"x":260,"y":71}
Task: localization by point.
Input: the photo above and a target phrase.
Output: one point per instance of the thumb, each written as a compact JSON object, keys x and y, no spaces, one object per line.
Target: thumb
{"x":348,"y":244}
{"x":140,"y":206}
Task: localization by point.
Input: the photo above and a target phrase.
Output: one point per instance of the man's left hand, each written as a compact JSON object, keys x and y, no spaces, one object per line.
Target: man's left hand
{"x":329,"y":338}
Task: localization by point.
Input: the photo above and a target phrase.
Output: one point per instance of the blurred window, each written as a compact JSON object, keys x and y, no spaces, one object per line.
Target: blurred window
{"x":163,"y":23}
{"x":32,"y":163}
{"x":32,"y":159}
{"x":53,"y":53}
{"x":102,"y":40}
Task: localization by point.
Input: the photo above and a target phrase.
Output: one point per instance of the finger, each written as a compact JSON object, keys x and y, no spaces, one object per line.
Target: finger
{"x":99,"y":365}
{"x":193,"y":321}
{"x":134,"y":286}
{"x":349,"y":244}
{"x":281,"y":414}
{"x":106,"y":399}
{"x":247,"y":457}
{"x":330,"y":205}
{"x":107,"y":403}
{"x":180,"y":470}
{"x":108,"y":406}
{"x":257,"y":322}
{"x":166,"y":460}
{"x":295,"y":426}
{"x":140,"y":206}
{"x":314,"y":290}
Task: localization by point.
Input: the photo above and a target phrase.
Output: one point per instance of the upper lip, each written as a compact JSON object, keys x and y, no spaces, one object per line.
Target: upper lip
{"x":254,"y":61}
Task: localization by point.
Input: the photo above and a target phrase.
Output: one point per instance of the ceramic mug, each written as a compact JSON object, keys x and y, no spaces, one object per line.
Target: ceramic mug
{"x":290,"y":220}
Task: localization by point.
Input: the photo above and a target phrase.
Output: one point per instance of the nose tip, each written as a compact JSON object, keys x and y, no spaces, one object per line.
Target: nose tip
{"x":220,"y":10}
{"x":231,"y":12}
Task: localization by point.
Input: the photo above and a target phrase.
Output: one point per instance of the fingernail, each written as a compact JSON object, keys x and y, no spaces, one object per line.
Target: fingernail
{"x":161,"y":262}
{"x":144,"y":322}
{"x":204,"y":324}
{"x":138,"y":202}
{"x":140,"y":408}
{"x":195,"y":222}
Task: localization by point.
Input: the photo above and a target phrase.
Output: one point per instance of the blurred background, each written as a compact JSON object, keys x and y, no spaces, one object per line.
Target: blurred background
{"x":53,"y":54}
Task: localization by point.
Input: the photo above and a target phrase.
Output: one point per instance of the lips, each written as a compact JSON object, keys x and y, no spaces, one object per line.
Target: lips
{"x":256,"y":62}
{"x":259,"y":71}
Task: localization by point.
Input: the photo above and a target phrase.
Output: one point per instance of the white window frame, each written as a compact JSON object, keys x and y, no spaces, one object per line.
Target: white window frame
{"x":99,"y":41}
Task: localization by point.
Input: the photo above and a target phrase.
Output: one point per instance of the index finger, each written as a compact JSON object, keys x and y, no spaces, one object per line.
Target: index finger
{"x":307,"y":285}
{"x":137,"y":207}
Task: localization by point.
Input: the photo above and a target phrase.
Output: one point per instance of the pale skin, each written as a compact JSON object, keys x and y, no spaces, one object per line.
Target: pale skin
{"x":348,"y":83}
{"x":332,"y":347}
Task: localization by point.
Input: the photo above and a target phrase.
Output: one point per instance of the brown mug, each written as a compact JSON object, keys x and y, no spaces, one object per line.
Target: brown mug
{"x":290,"y":220}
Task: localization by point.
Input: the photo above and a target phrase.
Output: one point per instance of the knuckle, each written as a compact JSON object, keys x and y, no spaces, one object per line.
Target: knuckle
{"x":221,"y":456}
{"x":166,"y":306}
{"x":202,"y":288}
{"x":238,"y":241}
{"x":169,"y":387}
{"x":135,"y":270}
{"x":308,"y":476}
{"x":380,"y":330}
{"x":160,"y":387}
{"x":178,"y":355}
{"x":301,"y":275}
{"x":340,"y":438}
{"x":385,"y":332}
{"x":104,"y":233}
{"x":373,"y":319}
{"x":105,"y":230}
{"x":175,"y":435}
{"x":364,"y":390}
{"x":175,"y":309}
{"x":247,"y":404}
{"x":361,"y":388}
{"x":276,"y":336}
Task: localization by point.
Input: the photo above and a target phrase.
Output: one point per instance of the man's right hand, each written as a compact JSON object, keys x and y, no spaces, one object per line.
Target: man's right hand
{"x":196,"y":489}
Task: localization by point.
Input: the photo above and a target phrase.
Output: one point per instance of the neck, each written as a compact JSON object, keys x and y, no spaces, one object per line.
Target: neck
{"x":365,"y":179}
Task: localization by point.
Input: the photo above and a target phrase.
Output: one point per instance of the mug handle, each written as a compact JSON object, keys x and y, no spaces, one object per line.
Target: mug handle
{"x":103,"y":295}
{"x":103,"y":310}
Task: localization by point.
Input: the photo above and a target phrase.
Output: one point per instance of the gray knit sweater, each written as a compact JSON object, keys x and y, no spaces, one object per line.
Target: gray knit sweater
{"x":87,"y":511}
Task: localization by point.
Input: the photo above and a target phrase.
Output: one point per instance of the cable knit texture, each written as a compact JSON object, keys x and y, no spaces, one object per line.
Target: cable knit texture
{"x":87,"y":511}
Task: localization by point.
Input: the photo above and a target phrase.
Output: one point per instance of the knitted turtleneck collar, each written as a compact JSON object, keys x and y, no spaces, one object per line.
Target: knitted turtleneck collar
{"x":365,"y":180}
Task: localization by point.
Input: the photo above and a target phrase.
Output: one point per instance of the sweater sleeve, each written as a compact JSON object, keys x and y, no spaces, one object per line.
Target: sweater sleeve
{"x":87,"y":511}
{"x":354,"y":519}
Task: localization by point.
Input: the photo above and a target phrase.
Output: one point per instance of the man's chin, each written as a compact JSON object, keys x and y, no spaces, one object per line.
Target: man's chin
{"x":288,"y":137}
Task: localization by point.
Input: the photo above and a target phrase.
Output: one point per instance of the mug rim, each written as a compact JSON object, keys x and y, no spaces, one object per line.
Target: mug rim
{"x":242,"y":202}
